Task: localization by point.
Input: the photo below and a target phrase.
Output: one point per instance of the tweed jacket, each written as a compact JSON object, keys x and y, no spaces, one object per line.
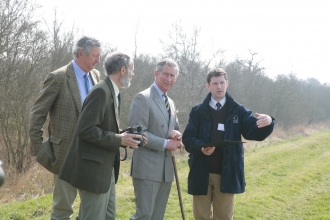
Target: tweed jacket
{"x":94,"y":149}
{"x":152,"y":162}
{"x":59,"y":99}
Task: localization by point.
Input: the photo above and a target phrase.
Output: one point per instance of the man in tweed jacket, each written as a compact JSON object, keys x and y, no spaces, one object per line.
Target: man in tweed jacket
{"x":61,"y":98}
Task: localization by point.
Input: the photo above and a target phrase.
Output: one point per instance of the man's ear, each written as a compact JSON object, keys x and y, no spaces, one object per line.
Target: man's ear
{"x":123,"y":70}
{"x":207,"y":86}
{"x":80,"y":53}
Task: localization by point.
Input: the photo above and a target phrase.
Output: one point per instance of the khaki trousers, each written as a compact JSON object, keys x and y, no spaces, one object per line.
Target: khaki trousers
{"x":223,"y":203}
{"x":63,"y":197}
{"x":95,"y":206}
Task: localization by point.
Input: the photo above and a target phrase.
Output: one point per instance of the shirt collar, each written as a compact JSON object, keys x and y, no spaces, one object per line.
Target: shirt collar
{"x":213,"y":103}
{"x":160,"y":92}
{"x":115,"y":87}
{"x":79,"y":72}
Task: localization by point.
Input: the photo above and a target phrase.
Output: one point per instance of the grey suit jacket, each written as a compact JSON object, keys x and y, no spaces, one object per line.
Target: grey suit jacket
{"x":152,"y":162}
{"x":60,"y":99}
{"x":94,"y":150}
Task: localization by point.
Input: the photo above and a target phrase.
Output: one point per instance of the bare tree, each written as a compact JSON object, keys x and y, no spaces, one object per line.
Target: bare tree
{"x":135,"y":39}
{"x":21,"y":55}
{"x":61,"y":42}
{"x":252,"y":80}
{"x":190,"y":86}
{"x":26,"y":56}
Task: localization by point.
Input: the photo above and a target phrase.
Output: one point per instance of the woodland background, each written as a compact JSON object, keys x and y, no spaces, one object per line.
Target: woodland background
{"x":30,"y":48}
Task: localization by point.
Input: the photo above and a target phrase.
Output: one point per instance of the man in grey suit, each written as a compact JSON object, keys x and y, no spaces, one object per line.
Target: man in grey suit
{"x":61,"y":97}
{"x":92,"y":162}
{"x":152,"y":169}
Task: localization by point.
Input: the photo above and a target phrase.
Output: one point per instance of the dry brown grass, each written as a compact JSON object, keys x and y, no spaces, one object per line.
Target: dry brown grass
{"x":37,"y":181}
{"x":281,"y":133}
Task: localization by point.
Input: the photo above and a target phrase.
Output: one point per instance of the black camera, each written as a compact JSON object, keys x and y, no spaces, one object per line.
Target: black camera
{"x":137,"y":130}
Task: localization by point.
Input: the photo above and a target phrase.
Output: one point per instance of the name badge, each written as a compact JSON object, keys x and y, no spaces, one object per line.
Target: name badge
{"x":221,"y":127}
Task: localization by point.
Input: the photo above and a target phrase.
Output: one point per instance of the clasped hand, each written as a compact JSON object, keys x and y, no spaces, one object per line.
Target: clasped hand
{"x":175,"y":141}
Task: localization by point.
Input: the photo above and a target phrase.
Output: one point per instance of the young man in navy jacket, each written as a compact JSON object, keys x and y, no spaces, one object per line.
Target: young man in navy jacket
{"x":217,"y":173}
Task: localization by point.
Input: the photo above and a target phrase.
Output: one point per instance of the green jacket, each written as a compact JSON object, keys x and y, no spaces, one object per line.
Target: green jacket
{"x":94,"y":150}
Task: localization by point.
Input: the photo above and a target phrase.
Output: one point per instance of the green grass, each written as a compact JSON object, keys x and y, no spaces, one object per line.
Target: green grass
{"x":288,"y":180}
{"x":285,"y":180}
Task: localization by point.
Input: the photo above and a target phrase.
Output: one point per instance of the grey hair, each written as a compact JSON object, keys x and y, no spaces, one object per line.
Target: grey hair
{"x":169,"y":62}
{"x":85,"y":44}
{"x":115,"y":61}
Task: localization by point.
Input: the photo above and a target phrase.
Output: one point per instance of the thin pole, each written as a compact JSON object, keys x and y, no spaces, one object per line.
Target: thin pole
{"x":177,"y":184}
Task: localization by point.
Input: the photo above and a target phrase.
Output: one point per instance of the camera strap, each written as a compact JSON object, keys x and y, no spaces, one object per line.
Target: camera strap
{"x":125,"y":157}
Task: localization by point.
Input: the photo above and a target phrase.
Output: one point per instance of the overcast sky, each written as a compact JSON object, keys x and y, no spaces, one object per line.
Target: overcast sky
{"x":288,"y":35}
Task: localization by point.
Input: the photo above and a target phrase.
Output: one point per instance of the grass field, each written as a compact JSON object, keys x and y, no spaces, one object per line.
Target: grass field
{"x":285,"y":180}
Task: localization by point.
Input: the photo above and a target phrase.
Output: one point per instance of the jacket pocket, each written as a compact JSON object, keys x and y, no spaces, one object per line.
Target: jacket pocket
{"x":46,"y":156}
{"x":55,"y":142}
{"x":92,"y":157}
{"x":54,"y":139}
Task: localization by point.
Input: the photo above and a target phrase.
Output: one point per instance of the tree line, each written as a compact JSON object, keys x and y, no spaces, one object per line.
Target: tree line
{"x":29,"y":50}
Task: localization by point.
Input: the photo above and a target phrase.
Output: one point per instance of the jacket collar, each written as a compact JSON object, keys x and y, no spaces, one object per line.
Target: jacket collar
{"x":112,"y":91}
{"x":203,"y":107}
{"x":73,"y":85}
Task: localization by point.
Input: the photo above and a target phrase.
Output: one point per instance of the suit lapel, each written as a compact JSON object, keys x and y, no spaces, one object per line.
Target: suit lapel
{"x":159,"y":102}
{"x":73,"y":85}
{"x":112,"y":91}
{"x":172,"y":119}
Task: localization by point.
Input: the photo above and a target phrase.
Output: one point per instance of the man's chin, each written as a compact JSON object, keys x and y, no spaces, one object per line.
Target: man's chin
{"x":168,"y":87}
{"x":126,"y":86}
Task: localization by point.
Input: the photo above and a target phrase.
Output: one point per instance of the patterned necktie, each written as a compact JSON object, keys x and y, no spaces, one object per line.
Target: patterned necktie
{"x":167,"y":105}
{"x":87,"y":85}
{"x":218,"y":106}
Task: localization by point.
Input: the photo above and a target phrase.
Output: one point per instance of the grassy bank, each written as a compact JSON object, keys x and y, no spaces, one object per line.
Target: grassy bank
{"x":285,"y":180}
